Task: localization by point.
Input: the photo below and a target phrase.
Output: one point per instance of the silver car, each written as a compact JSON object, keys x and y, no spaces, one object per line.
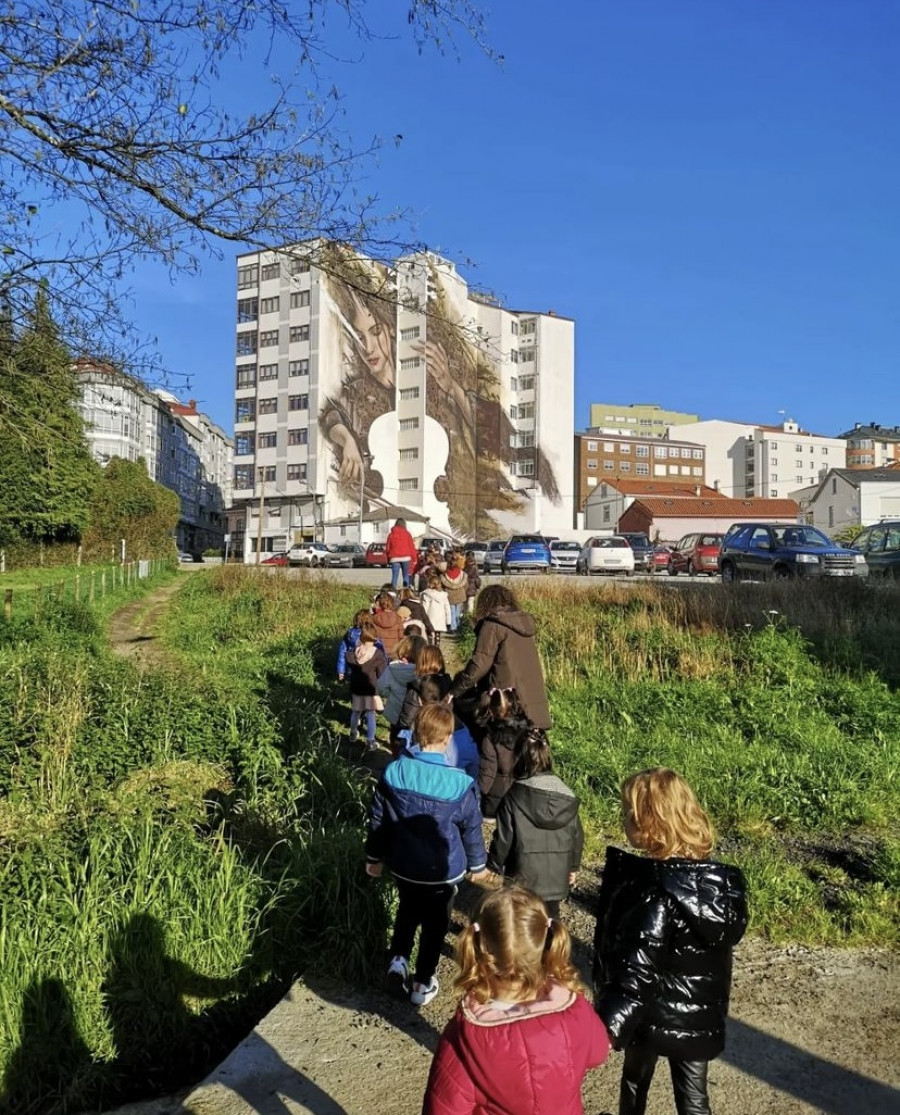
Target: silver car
{"x":564,"y":555}
{"x":493,"y":559}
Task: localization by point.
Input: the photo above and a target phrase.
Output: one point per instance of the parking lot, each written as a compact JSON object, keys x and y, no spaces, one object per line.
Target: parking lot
{"x":379,"y":576}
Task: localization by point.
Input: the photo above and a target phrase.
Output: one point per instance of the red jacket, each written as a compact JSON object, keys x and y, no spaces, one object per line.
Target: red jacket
{"x":400,"y":545}
{"x":528,"y":1060}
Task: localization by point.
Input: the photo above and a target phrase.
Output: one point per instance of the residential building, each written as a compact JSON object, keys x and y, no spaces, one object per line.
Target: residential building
{"x":600,"y":456}
{"x":667,"y":519}
{"x":183,"y":449}
{"x":755,"y":461}
{"x":646,"y":419}
{"x":872,"y":446}
{"x":611,"y":498}
{"x":362,"y":387}
{"x":848,"y":497}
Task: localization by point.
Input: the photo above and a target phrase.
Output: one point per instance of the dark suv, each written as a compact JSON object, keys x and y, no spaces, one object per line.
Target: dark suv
{"x":643,"y":550}
{"x":881,"y":546}
{"x":782,"y":550}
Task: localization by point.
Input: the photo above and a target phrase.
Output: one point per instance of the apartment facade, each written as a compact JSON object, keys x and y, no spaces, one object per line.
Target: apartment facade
{"x":364,"y":390}
{"x":766,"y":462}
{"x":600,"y":457}
{"x":644,"y":419}
{"x":872,"y":446}
{"x":183,"y":450}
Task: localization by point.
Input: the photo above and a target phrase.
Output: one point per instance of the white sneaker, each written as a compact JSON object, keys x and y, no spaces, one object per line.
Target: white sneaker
{"x":423,"y":993}
{"x":398,"y":977}
{"x":371,"y":745}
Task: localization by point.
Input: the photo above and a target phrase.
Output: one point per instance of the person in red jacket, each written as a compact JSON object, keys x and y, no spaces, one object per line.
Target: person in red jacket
{"x":524,"y":1036}
{"x":401,"y":553}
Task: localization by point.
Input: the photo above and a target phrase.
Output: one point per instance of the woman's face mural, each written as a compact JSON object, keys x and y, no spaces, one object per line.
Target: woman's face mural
{"x":375,"y":343}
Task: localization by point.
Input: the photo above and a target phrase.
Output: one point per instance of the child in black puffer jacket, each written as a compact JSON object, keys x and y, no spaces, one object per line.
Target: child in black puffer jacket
{"x":502,"y":722}
{"x":666,"y":927}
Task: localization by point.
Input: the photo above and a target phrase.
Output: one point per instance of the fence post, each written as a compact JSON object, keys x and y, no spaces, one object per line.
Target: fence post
{"x":102,"y":583}
{"x":7,"y":604}
{"x":2,"y":561}
{"x":77,"y":588}
{"x":91,"y":596}
{"x":78,"y":556}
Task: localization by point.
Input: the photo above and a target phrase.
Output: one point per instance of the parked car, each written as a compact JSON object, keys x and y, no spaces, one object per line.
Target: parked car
{"x":478,"y":550}
{"x":696,"y":553}
{"x":526,"y":551}
{"x":437,"y":543}
{"x":493,"y":559}
{"x":660,"y":559}
{"x":564,"y":555}
{"x":643,"y":549}
{"x":185,"y":556}
{"x":376,"y":554}
{"x":606,"y":554}
{"x":349,"y":555}
{"x":280,"y":557}
{"x":308,"y":553}
{"x":782,"y":550}
{"x":880,"y":544}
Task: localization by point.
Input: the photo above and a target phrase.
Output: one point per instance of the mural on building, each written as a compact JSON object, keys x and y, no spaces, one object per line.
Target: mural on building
{"x":464,"y":441}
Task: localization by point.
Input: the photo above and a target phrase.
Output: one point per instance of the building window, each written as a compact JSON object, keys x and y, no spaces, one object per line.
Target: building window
{"x":623,"y":448}
{"x":246,"y":376}
{"x":592,"y":447}
{"x":410,"y":362}
{"x":266,"y":475}
{"x":267,"y":441}
{"x":298,"y":437}
{"x":298,"y":267}
{"x":296,"y":472}
{"x":514,"y":412}
{"x":606,"y":513}
{"x":642,"y":470}
{"x":246,"y":277}
{"x":408,"y":393}
{"x":268,"y":371}
{"x":410,"y":334}
{"x":608,"y":466}
{"x":245,"y":411}
{"x":243,"y":476}
{"x":526,"y":410}
{"x":270,"y":271}
{"x":526,"y":383}
{"x":685,"y":470}
{"x":243,"y":445}
{"x":298,"y":368}
{"x":268,"y":406}
{"x":799,"y":479}
{"x":246,"y":310}
{"x":523,"y":439}
{"x":513,"y":383}
{"x":269,"y":305}
{"x":523,"y":468}
{"x":409,"y":423}
{"x":642,"y":451}
{"x":659,"y":451}
{"x":673,"y":470}
{"x":697,"y":454}
{"x":246,"y":344}
{"x":673,"y":451}
{"x":526,"y":327}
{"x":697,"y":471}
{"x":625,"y":466}
{"x":591,"y":463}
{"x":830,"y":516}
{"x":409,"y":454}
{"x":526,"y":355}
{"x":824,"y":450}
{"x":686,"y":453}
{"x":659,"y":470}
{"x":299,"y":299}
{"x":773,"y":491}
{"x":408,"y":484}
{"x":514,"y":328}
{"x":268,"y":339}
{"x":299,"y":333}
{"x":514,"y":356}
{"x":298,"y":402}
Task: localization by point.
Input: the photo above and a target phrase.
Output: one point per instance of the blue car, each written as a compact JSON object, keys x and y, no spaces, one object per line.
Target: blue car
{"x":780,"y":551}
{"x":526,"y":552}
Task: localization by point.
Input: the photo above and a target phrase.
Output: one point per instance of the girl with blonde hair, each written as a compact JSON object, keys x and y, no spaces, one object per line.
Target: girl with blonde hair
{"x":667,"y":923}
{"x":523,"y":1018}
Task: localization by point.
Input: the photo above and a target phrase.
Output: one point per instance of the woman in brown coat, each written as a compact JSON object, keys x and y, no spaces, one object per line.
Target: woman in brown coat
{"x":505,"y":654}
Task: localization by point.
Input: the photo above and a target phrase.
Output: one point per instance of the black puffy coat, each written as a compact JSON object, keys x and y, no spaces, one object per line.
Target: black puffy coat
{"x":538,"y":839}
{"x":662,"y":952}
{"x":498,"y":760}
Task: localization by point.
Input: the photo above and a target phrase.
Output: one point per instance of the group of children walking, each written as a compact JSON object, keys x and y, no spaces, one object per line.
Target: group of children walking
{"x":667,"y":918}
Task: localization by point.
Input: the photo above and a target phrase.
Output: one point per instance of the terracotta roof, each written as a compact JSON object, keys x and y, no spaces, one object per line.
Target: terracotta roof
{"x":719,"y":508}
{"x":658,"y":488}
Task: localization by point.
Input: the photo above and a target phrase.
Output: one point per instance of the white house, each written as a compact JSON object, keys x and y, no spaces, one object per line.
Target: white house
{"x":846,"y":497}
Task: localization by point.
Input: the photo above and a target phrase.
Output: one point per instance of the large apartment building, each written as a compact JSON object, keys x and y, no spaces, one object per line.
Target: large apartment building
{"x":645,"y":419}
{"x":183,"y":449}
{"x":600,"y":456}
{"x":365,"y":391}
{"x":872,"y":445}
{"x":746,"y":461}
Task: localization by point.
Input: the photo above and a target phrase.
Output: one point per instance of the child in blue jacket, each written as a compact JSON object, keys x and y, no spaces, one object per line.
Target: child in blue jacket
{"x":350,"y":641}
{"x":425,"y":824}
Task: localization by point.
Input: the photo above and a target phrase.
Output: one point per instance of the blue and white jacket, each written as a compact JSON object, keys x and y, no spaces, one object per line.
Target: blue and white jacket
{"x":349,"y":641}
{"x":424,"y":821}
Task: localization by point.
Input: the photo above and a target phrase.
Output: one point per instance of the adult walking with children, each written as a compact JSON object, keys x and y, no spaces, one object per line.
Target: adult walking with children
{"x":505,"y":655}
{"x":401,"y":554}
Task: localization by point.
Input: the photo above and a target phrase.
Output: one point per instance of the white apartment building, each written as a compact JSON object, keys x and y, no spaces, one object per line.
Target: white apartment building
{"x":746,"y":461}
{"x":364,"y":392}
{"x":183,"y":450}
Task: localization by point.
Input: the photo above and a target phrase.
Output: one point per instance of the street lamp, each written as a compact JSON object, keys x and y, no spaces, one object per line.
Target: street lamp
{"x":366,"y":461}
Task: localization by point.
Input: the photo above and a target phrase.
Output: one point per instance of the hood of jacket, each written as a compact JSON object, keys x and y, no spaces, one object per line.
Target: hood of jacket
{"x":505,"y":733}
{"x":554,"y":999}
{"x":386,"y":620}
{"x":361,"y":653}
{"x":520,"y":622}
{"x":704,"y":891}
{"x":546,"y":801}
{"x":453,"y":573}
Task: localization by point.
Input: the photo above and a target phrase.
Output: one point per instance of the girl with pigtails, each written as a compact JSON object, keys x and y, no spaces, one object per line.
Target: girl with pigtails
{"x":523,"y":1037}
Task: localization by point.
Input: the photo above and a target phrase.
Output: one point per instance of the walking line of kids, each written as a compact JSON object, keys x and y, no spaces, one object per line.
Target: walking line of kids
{"x":471,"y":753}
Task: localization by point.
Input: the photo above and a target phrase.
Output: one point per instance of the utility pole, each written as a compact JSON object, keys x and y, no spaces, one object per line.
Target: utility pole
{"x":366,"y":461}
{"x":262,"y":504}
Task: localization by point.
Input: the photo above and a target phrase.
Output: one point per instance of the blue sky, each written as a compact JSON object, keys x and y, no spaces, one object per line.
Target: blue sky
{"x":711,"y":189}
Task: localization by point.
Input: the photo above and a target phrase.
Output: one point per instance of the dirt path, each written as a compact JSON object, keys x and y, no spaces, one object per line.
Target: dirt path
{"x":812,"y":1030}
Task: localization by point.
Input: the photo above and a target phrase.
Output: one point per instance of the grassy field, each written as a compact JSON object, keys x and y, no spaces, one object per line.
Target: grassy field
{"x":180,"y":841}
